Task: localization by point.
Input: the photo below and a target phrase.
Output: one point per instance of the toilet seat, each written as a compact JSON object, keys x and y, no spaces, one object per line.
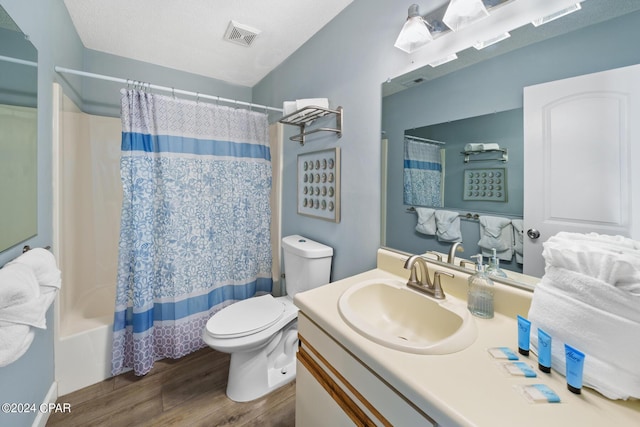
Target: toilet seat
{"x":245,"y":317}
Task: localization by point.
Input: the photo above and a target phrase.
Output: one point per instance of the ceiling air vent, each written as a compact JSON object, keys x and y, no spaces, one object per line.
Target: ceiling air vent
{"x":240,"y":34}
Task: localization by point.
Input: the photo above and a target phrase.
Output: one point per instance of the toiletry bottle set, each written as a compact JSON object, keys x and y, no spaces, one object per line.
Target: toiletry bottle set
{"x":480,"y":294}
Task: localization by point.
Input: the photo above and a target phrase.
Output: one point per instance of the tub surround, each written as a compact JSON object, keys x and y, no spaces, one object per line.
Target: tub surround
{"x":463,"y":388}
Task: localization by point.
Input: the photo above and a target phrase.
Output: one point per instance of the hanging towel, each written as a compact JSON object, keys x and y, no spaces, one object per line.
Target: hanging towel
{"x":496,"y":233}
{"x":518,"y":239}
{"x":448,"y":226}
{"x":14,"y":342}
{"x":18,"y":285}
{"x":600,"y":320}
{"x":426,"y":221}
{"x":43,"y":264}
{"x":423,"y":174}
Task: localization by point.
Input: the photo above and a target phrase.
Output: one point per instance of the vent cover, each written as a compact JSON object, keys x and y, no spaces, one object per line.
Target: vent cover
{"x":240,"y":34}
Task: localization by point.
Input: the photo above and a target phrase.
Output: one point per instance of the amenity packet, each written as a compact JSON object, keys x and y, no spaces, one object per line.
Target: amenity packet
{"x":503,"y":353}
{"x":537,"y":393}
{"x":518,"y":369}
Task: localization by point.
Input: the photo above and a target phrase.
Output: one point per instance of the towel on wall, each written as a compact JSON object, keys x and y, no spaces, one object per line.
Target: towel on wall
{"x":496,"y":233}
{"x":28,"y":286}
{"x":426,"y":221}
{"x":518,"y":239}
{"x":448,"y":226}
{"x":423,"y":174}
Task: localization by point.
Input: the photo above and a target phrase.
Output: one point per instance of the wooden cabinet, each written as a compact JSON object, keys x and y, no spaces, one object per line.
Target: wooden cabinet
{"x":335,"y":388}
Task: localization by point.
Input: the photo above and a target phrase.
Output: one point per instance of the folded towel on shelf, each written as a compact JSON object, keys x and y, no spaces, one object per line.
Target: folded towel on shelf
{"x":448,"y":226}
{"x":598,"y":319}
{"x":14,"y":342}
{"x":614,"y":260}
{"x":426,"y":221}
{"x":518,"y":239}
{"x":481,"y":146}
{"x":289,"y":107}
{"x":496,"y":233}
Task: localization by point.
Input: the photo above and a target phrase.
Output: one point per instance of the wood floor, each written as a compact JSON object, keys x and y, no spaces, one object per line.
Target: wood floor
{"x":185,"y":392}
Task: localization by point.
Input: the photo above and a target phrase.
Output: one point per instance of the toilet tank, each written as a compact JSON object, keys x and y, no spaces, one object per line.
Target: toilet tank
{"x":307,"y":264}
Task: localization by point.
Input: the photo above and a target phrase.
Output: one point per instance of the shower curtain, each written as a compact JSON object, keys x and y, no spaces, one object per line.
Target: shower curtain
{"x":423,"y":174}
{"x":195,"y":225}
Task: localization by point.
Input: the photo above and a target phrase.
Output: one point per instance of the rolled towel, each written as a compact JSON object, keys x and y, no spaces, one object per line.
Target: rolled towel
{"x":312,"y":102}
{"x":496,"y":233}
{"x":474,"y":147}
{"x":611,"y":259}
{"x":426,"y":221}
{"x":448,"y":226}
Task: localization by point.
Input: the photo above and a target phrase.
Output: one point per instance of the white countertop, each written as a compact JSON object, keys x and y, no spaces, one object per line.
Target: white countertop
{"x":464,"y":388}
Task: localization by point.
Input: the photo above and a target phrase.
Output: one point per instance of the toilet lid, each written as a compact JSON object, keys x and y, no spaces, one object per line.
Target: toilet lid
{"x":245,"y":317}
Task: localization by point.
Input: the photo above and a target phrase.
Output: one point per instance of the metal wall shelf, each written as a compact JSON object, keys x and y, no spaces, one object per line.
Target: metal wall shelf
{"x":305,"y":116}
{"x":503,"y":158}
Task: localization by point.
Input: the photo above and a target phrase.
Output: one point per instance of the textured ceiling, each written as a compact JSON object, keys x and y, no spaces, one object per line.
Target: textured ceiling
{"x":188,"y":35}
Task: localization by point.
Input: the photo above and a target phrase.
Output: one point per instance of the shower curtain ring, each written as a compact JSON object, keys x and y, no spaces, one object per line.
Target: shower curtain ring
{"x":173,"y":92}
{"x":197,"y":98}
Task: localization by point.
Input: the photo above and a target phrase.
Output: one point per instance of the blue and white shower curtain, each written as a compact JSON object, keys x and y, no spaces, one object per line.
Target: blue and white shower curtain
{"x":423,"y":174}
{"x":195,"y":227}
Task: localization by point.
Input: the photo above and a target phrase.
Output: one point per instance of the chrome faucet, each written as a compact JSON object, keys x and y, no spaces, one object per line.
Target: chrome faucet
{"x":456,"y":247}
{"x":424,"y":284}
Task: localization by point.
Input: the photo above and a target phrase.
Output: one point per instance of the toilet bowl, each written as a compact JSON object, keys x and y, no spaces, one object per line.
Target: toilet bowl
{"x":261,"y":332}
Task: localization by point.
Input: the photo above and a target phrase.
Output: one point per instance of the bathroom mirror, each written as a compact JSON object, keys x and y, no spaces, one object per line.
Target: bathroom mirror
{"x":18,"y":134}
{"x":484,"y":84}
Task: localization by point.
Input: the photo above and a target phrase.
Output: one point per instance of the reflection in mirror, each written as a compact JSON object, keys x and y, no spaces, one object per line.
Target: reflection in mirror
{"x":488,"y":84}
{"x":18,"y":134}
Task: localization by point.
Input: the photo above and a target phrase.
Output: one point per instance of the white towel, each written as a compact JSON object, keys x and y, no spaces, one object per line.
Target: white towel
{"x":518,"y":239}
{"x":18,"y":285}
{"x":43,"y":264}
{"x":481,"y":146}
{"x":426,"y":221}
{"x":22,"y":300}
{"x":448,"y":226}
{"x":615,"y":260}
{"x":496,"y":233}
{"x":600,"y":320}
{"x":14,"y":342}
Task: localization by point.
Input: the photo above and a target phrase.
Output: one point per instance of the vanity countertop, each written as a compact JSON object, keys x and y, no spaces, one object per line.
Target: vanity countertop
{"x":464,"y":388}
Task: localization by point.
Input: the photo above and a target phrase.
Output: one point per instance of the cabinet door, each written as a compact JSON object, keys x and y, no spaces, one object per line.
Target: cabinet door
{"x":581,"y":138}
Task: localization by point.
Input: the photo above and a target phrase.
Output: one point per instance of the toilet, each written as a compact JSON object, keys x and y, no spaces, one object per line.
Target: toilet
{"x":261,"y":333}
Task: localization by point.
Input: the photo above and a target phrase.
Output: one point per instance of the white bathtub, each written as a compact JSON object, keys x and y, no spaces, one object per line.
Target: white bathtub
{"x":87,"y":201}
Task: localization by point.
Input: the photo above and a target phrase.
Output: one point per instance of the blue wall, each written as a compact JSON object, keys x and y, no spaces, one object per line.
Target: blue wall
{"x":51,"y":31}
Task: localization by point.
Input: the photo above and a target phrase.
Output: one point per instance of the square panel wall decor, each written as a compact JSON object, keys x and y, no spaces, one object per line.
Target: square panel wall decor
{"x":485,"y":184}
{"x":319,"y":184}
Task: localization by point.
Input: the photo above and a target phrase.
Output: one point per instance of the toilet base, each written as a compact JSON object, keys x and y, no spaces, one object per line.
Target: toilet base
{"x":253,"y":374}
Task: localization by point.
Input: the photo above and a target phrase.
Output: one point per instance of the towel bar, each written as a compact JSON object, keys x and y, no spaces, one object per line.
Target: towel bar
{"x":26,"y":248}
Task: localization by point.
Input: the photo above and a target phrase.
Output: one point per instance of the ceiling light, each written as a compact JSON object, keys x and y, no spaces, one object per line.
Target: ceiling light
{"x":443,"y":60}
{"x":493,"y":40}
{"x":461,"y":13}
{"x":414,"y":33}
{"x":559,"y":14}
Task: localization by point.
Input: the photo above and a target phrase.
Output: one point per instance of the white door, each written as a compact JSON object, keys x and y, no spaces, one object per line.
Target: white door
{"x":581,"y":151}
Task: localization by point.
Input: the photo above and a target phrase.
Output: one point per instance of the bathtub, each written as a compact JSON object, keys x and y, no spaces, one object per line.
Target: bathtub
{"x":87,"y":202}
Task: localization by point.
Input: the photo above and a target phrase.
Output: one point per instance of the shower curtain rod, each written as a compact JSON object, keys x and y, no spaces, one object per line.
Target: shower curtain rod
{"x":417,"y":138}
{"x":18,"y":61}
{"x":163,"y":88}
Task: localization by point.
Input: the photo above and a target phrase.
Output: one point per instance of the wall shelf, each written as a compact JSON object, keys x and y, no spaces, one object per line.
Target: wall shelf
{"x":304,"y":117}
{"x":503,"y":158}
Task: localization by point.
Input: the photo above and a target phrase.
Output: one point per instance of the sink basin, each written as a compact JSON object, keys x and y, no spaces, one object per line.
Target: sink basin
{"x":388,"y":313}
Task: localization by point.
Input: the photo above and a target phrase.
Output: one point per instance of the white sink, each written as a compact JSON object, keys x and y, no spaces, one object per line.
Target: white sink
{"x":388,"y":313}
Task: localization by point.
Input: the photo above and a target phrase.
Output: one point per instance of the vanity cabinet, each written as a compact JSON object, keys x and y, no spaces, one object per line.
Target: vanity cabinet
{"x":335,"y":388}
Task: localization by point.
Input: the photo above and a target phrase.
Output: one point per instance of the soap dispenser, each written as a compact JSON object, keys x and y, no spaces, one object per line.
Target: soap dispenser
{"x":480,"y":294}
{"x":493,"y":269}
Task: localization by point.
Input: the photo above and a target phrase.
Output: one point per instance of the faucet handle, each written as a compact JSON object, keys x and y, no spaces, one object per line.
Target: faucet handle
{"x":438,"y":293}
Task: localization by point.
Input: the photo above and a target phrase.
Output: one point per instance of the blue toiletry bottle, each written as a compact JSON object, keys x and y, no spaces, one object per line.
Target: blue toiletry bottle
{"x":480,"y":294}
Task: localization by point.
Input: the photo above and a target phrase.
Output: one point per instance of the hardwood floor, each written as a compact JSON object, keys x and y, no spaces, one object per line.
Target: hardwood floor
{"x":184,"y":392}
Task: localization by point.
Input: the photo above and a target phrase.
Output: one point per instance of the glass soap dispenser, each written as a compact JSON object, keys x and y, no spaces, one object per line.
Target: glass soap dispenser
{"x":493,"y":269}
{"x":480,"y":294}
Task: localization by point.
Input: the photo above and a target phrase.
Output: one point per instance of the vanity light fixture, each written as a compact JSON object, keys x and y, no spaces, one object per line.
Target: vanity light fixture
{"x":491,"y":41}
{"x":461,"y":13}
{"x":559,"y":14}
{"x":444,"y":60}
{"x":414,"y":33}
